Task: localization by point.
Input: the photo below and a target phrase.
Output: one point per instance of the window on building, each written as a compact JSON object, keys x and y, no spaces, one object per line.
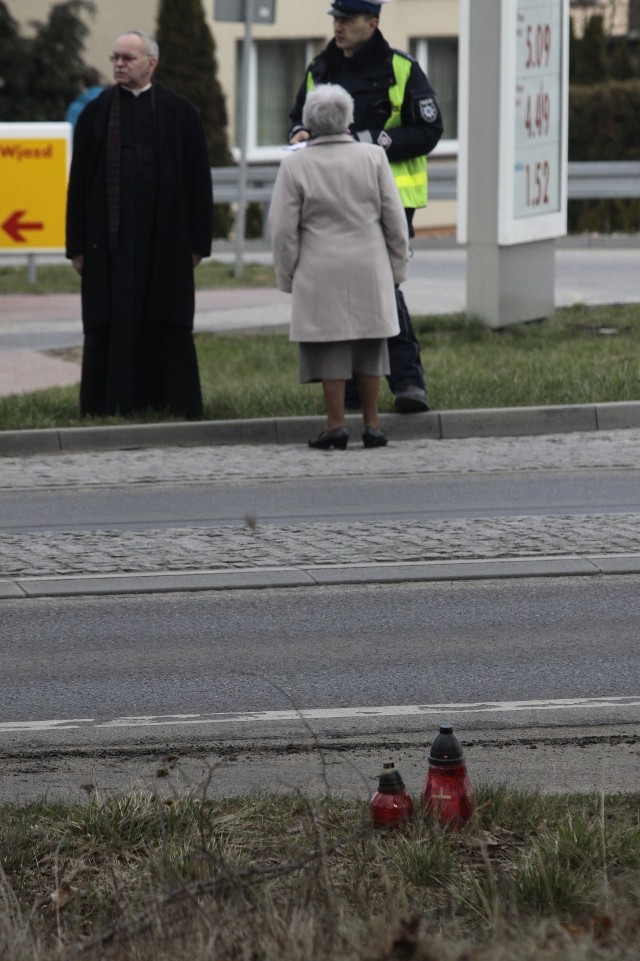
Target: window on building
{"x":438,"y":57}
{"x":276,"y":71}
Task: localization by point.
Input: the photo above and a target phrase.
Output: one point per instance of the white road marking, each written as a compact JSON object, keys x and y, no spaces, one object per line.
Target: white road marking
{"x":445,"y":711}
{"x":27,"y":726}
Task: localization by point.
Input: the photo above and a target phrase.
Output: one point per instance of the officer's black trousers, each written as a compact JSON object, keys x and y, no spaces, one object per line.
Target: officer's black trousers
{"x":404,"y":349}
{"x":404,"y":358}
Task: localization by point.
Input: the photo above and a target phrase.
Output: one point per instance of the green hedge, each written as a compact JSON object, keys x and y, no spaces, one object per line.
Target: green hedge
{"x":603,"y":125}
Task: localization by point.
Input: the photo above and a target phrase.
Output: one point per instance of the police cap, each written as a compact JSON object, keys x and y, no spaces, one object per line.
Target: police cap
{"x":351,"y":8}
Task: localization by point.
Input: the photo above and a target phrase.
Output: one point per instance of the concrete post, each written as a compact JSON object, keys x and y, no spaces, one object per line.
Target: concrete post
{"x":506,"y":282}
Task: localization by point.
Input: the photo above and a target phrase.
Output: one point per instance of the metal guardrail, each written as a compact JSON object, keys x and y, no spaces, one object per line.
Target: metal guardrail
{"x":593,"y":180}
{"x":260,"y":181}
{"x":604,"y":180}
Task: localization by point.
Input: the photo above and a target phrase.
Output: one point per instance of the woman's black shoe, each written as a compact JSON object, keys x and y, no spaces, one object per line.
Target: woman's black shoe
{"x":326,"y":439}
{"x":373,"y":438}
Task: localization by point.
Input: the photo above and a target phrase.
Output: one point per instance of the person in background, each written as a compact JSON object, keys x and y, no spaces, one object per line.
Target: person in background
{"x":89,"y":80}
{"x":395,"y":108}
{"x":139,"y":220}
{"x":340,"y":243}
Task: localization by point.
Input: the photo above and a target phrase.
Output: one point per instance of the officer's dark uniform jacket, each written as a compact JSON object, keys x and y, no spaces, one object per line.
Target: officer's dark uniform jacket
{"x":409,"y":129}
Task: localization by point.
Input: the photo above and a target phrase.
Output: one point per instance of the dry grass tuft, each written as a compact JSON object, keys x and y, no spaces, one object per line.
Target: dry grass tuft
{"x":140,"y":878}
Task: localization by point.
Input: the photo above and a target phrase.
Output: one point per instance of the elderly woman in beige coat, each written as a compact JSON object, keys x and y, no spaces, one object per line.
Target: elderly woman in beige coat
{"x":340,"y":244}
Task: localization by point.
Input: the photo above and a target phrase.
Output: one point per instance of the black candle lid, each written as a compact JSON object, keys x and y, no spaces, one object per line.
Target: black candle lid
{"x":446,"y":748}
{"x":390,"y":781}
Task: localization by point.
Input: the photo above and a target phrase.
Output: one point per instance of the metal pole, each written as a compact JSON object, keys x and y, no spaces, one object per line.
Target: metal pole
{"x":241,"y":217}
{"x":32,"y":269}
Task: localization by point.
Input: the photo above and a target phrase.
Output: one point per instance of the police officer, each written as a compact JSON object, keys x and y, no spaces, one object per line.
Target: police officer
{"x":396,"y":108}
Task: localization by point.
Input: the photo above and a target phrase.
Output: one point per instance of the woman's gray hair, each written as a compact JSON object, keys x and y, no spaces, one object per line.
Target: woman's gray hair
{"x":327,"y":110}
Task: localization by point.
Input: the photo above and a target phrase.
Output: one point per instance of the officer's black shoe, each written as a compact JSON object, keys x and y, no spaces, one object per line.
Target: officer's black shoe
{"x":411,"y":399}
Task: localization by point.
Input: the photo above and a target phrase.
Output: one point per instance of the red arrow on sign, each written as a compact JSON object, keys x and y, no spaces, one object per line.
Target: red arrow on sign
{"x":14,"y":226}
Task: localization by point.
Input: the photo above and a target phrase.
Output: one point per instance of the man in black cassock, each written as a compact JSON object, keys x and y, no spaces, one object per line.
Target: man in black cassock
{"x":139,"y":220}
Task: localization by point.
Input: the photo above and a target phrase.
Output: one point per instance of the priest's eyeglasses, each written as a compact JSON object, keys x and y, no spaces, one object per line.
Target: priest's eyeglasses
{"x":125,"y":57}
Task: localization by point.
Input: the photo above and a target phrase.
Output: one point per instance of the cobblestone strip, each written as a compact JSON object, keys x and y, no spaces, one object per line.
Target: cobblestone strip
{"x":213,"y":465}
{"x":228,"y":548}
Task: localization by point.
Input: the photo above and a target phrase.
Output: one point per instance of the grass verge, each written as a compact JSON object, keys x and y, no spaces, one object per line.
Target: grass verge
{"x":580,"y":355}
{"x":289,"y":877}
{"x":62,"y":278}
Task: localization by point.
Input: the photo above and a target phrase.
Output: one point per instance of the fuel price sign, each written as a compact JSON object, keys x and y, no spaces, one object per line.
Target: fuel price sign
{"x":533,"y":122}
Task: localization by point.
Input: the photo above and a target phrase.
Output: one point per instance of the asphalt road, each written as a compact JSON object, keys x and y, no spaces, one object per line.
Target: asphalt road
{"x":487,"y":494}
{"x":286,"y":689}
{"x":340,"y":647}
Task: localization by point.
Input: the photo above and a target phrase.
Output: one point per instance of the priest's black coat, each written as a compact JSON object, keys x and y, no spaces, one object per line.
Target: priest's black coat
{"x":184,"y":216}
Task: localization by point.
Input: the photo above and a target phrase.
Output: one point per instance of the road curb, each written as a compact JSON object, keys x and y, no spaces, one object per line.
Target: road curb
{"x":435,"y":425}
{"x":570,"y":565}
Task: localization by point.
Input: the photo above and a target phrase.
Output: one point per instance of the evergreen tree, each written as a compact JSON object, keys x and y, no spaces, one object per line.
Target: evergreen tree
{"x":574,"y":51}
{"x":188,"y":65}
{"x":56,"y":53}
{"x":38,"y":74}
{"x":591,"y":63}
{"x":620,"y":65}
{"x":13,"y":75}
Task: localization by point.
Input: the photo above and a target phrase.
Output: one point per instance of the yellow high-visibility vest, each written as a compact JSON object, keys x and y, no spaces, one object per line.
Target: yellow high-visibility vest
{"x":410,"y":175}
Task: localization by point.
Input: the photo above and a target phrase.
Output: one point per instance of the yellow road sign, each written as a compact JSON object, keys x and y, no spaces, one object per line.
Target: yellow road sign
{"x":34,"y":167}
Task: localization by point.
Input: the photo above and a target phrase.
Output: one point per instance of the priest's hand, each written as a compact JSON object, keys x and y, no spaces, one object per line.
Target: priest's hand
{"x":78,"y":263}
{"x":196,"y":258}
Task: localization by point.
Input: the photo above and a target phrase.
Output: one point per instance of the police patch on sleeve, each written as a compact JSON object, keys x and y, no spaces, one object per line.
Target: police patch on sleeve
{"x":428,"y":110}
{"x":384,"y":140}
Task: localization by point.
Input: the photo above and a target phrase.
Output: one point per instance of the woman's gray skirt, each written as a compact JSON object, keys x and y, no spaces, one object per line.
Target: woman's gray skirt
{"x":338,"y":359}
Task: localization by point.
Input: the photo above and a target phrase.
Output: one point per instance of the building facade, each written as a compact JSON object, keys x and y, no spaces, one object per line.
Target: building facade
{"x":428,"y":29}
{"x":615,"y":15}
{"x":279,"y":54}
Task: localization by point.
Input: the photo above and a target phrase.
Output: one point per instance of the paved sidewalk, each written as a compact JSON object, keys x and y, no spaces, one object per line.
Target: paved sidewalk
{"x":256,"y":555}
